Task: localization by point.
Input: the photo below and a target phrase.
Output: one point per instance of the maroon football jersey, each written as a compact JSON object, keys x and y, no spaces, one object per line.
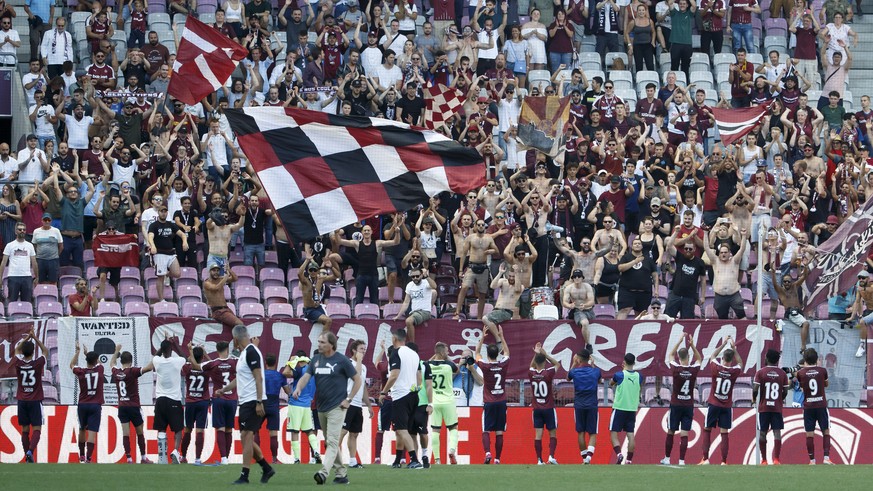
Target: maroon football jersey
{"x":494,"y":374}
{"x":90,"y":384}
{"x":723,"y":378}
{"x":126,"y":380}
{"x":196,"y":384}
{"x":541,"y":382}
{"x":771,"y":382}
{"x":99,"y":73}
{"x":221,"y":372}
{"x":29,"y":375}
{"x":684,"y":381}
{"x":812,"y":381}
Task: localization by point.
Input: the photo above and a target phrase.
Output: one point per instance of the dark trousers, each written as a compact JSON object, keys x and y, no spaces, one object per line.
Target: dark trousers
{"x":367,"y":281}
{"x":72,"y":253}
{"x":20,"y":289}
{"x":644,"y":54}
{"x":680,"y":305}
{"x":540,"y":266}
{"x":286,"y":255}
{"x":680,"y":59}
{"x":36,"y":34}
{"x":714,"y":39}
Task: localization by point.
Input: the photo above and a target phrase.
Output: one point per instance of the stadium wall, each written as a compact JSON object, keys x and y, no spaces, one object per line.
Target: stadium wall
{"x":851,"y":432}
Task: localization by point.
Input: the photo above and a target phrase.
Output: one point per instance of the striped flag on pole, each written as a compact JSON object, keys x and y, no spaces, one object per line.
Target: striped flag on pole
{"x":733,"y":124}
{"x":205,"y":61}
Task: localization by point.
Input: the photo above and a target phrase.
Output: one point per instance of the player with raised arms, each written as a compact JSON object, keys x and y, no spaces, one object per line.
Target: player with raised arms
{"x":90,"y":379}
{"x":724,"y":374}
{"x":769,"y":389}
{"x":126,"y":380}
{"x":682,"y":402}
{"x":543,"y":402}
{"x":494,"y":371}
{"x":586,"y":379}
{"x":28,"y":371}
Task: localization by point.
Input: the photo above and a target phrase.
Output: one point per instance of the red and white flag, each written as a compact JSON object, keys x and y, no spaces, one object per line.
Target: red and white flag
{"x":205,"y":60}
{"x":734,"y":124}
{"x":440,"y":104}
{"x":115,"y":251}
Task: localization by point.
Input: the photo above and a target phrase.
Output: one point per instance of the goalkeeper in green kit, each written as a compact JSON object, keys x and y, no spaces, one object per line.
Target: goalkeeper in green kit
{"x":445,"y":412}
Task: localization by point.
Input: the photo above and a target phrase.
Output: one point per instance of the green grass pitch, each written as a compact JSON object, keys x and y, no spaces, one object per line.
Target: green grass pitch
{"x":450,"y":478}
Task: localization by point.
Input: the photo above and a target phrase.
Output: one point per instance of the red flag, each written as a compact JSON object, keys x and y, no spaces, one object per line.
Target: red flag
{"x":205,"y":60}
{"x":441,"y":103}
{"x":834,"y":268}
{"x":115,"y":251}
{"x":734,"y":124}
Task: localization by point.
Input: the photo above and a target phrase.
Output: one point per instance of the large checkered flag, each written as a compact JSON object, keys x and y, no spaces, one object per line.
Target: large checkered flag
{"x":323,"y":172}
{"x":734,"y":124}
{"x":440,"y":104}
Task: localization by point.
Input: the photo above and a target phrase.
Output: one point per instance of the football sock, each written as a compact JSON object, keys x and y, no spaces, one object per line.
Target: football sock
{"x":413,"y":457}
{"x":398,"y":455}
{"x":538,"y":449}
{"x":34,"y":440}
{"x":82,"y":448}
{"x":683,"y":447}
{"x":707,"y":440}
{"x":313,"y":443}
{"x":810,"y":447}
{"x":826,"y":445}
{"x":274,"y":446}
{"x":668,"y":446}
{"x":763,"y":443}
{"x":453,"y":439}
{"x":25,"y":441}
{"x":90,"y":453}
{"x":198,"y":444}
{"x":125,"y":441}
{"x":244,"y":473}
{"x":435,"y":442}
{"x":380,"y":437}
{"x":777,"y":448}
{"x":498,"y":445}
{"x":228,"y":442}
{"x":616,"y":449}
{"x":591,"y":450}
{"x":263,"y":463}
{"x":630,"y":456}
{"x":295,"y":449}
{"x":219,"y":442}
{"x":725,"y":445}
{"x":553,"y":445}
{"x":486,"y":441}
{"x":186,"y":442}
{"x":140,"y":440}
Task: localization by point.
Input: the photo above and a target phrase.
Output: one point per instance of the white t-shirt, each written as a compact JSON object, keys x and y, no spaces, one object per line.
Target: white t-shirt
{"x":246,"y":388}
{"x":420,"y":295}
{"x":168,"y":377}
{"x":398,"y":40}
{"x":388,"y":76}
{"x":121,"y":173}
{"x":407,"y":23}
{"x":174,"y":201}
{"x":33,"y":170}
{"x":19,"y":254}
{"x":77,"y":131}
{"x":490,"y":53}
{"x":149,"y":217}
{"x":406,"y":361}
{"x":42,"y":124}
{"x":507,"y":113}
{"x":216,"y":150}
{"x":371,"y":59}
{"x":358,"y":399}
{"x":28,"y":78}
{"x":47,"y":241}
{"x":8,"y":48}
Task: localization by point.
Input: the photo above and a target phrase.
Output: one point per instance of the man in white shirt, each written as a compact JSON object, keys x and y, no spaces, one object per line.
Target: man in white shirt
{"x":34,"y":80}
{"x":8,"y":164}
{"x":48,"y":244}
{"x":168,"y":398}
{"x":392,"y":39}
{"x":215,"y":145}
{"x":9,"y":42}
{"x":403,"y":379}
{"x":21,"y":258}
{"x":421,"y":293}
{"x":77,"y":126}
{"x":388,"y":74}
{"x":42,"y":115}
{"x":371,"y":55}
{"x":57,"y":47}
{"x":32,"y":163}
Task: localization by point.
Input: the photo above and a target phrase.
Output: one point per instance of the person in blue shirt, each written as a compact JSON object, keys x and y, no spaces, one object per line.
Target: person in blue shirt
{"x":299,"y":409}
{"x":275,"y":382}
{"x":586,"y":378}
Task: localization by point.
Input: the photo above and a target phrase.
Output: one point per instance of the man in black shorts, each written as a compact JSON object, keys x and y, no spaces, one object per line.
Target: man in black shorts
{"x":422,"y":410}
{"x":682,"y":402}
{"x":168,"y":398}
{"x":403,"y":382}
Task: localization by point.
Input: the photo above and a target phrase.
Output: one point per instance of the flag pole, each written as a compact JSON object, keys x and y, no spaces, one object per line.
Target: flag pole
{"x":762,"y":235}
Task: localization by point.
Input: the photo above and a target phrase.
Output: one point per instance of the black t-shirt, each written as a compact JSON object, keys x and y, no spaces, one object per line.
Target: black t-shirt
{"x":253,"y":230}
{"x":638,"y":277}
{"x":412,"y":108}
{"x":360,"y":103}
{"x":164,"y":233}
{"x":687,"y":276}
{"x":663,"y":162}
{"x":688,"y":183}
{"x":66,"y":163}
{"x":186,"y":219}
{"x":727,"y":186}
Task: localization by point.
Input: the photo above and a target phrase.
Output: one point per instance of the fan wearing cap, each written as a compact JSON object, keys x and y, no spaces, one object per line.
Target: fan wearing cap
{"x":163,"y":250}
{"x":824,"y":231}
{"x":578,"y":297}
{"x":789,"y":297}
{"x":48,"y":242}
{"x":213,"y":290}
{"x":315,"y":286}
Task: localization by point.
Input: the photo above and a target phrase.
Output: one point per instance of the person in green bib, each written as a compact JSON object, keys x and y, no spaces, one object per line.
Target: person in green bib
{"x":624,"y":408}
{"x":445,"y":412}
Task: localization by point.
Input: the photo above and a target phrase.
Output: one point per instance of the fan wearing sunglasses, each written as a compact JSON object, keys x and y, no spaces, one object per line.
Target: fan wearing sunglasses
{"x":421,"y":292}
